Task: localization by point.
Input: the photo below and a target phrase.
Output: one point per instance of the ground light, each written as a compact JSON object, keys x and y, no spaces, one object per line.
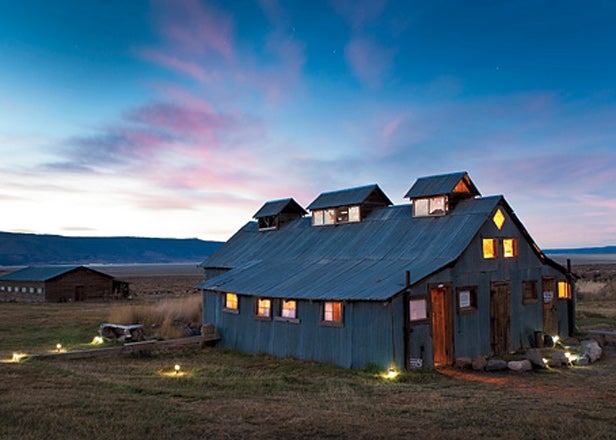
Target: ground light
{"x":176,"y":371}
{"x":391,"y":373}
{"x":15,"y":358}
{"x":98,"y":340}
{"x":58,"y":347}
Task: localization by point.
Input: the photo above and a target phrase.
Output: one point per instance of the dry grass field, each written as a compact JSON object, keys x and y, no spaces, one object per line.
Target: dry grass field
{"x":224,"y":394}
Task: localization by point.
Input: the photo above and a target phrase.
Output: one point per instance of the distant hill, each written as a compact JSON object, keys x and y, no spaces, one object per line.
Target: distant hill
{"x":31,"y":249}
{"x":593,"y":250}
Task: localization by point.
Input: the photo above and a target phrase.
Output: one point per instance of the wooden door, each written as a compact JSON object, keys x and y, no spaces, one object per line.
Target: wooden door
{"x":549,"y":297}
{"x":79,"y":293}
{"x":442,"y":326}
{"x":500,"y":318}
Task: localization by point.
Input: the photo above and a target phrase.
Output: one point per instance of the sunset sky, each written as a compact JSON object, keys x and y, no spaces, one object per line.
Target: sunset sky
{"x":181,"y":118}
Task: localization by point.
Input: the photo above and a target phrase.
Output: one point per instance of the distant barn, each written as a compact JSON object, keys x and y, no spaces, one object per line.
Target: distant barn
{"x":58,"y":284}
{"x":362,"y":282}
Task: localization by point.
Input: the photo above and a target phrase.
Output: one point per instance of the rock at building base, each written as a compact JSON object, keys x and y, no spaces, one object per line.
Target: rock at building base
{"x":581,"y":361}
{"x":592,"y":349}
{"x":479,"y":363}
{"x":524,"y":365}
{"x":558,"y":359}
{"x":463,"y":363}
{"x":496,"y":365}
{"x":535,"y":357}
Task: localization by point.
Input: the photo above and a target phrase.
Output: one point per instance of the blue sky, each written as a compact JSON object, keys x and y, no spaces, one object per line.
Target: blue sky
{"x":180,"y":118}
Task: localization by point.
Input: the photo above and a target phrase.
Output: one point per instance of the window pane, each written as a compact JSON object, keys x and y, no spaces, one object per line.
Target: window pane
{"x":231,"y":301}
{"x":329,"y":217}
{"x":342,"y":215}
{"x":289,"y":309}
{"x":510,"y":248}
{"x":417,"y":309}
{"x":465,"y":298}
{"x":332,"y":311}
{"x":317,"y":217}
{"x":564,"y":290}
{"x":489,"y":248}
{"x":264,"y":307}
{"x":498,"y":219}
{"x":420,"y":207}
{"x":354,"y":214}
{"x":437,"y":205}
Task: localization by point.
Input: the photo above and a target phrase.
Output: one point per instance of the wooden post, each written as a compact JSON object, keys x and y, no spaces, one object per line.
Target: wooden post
{"x":405,"y":308}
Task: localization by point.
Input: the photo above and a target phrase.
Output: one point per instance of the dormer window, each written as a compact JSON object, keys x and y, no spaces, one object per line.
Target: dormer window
{"x":430,"y":206}
{"x":268,"y":222}
{"x":274,"y":214}
{"x":334,"y":216}
{"x":437,"y":195}
{"x":347,"y":206}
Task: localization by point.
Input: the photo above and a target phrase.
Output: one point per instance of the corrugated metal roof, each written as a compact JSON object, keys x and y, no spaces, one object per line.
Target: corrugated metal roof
{"x":275,"y":207}
{"x":346,"y":197}
{"x":38,"y":273}
{"x":356,"y":261}
{"x":439,"y":185}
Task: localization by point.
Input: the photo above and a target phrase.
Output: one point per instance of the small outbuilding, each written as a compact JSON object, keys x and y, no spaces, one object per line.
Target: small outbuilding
{"x":363,"y":282}
{"x":58,"y":284}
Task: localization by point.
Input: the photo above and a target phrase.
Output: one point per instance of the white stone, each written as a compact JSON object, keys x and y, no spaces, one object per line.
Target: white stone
{"x":523,"y":365}
{"x":592,"y":349}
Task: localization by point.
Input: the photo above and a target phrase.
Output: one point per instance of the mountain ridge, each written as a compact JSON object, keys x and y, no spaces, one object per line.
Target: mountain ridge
{"x":18,"y":249}
{"x":585,"y":250}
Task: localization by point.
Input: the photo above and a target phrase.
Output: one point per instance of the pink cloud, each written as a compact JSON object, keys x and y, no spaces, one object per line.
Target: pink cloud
{"x":369,"y":62}
{"x":190,"y":68}
{"x":197,"y":27}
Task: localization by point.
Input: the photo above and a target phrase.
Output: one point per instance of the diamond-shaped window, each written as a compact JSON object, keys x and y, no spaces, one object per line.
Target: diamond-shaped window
{"x":499,"y":219}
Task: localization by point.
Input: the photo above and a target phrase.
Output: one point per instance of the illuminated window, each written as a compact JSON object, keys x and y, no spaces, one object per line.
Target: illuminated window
{"x":317,"y":218}
{"x":467,"y":299}
{"x":432,"y":206}
{"x":31,"y":289}
{"x":39,"y":290}
{"x":264,"y":307}
{"x":329,"y":217}
{"x":2,"y":288}
{"x":510,"y":247}
{"x":529,"y":292}
{"x":24,"y":290}
{"x":564,"y":290}
{"x":10,"y":288}
{"x":354,"y":214}
{"x":490,"y":248}
{"x":418,"y":309}
{"x":334,"y":216}
{"x":231,"y":302}
{"x":332,"y":312}
{"x":288,"y":309}
{"x":498,"y":219}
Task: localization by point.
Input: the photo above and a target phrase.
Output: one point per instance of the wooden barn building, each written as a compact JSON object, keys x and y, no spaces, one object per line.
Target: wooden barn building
{"x":362,"y":282}
{"x":58,"y":284}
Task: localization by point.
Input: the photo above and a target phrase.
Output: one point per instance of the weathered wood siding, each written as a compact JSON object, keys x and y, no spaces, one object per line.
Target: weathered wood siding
{"x":472,"y":329}
{"x":26,"y":291}
{"x":369,"y":335}
{"x":79,"y":285}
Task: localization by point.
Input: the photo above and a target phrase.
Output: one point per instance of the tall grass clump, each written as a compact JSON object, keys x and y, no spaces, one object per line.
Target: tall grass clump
{"x":165,"y":319}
